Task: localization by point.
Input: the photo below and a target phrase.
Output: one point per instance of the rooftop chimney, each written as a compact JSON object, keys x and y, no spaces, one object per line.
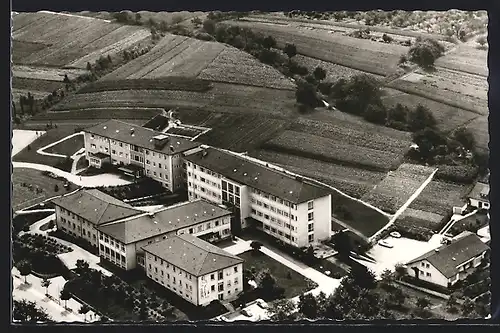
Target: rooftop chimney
{"x":204,"y":153}
{"x":160,"y":140}
{"x":172,"y":149}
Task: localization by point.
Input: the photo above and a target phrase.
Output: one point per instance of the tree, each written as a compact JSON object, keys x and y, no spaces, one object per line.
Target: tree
{"x":24,"y":268}
{"x":468,"y":307}
{"x":400,"y":271}
{"x":89,"y":66}
{"x":290,"y":50}
{"x":209,"y":26}
{"x":308,"y":306}
{"x":387,"y":277}
{"x":84,"y":309}
{"x":452,"y":303}
{"x":138,"y":18}
{"x":27,"y":311}
{"x":56,"y":188}
{"x":266,"y":281}
{"x":465,"y":137}
{"x":386,"y":38}
{"x":375,"y":113}
{"x":319,"y":74}
{"x":269,"y":42}
{"x":428,"y":141}
{"x":196,"y":21}
{"x":109,"y":59}
{"x":82,"y":268}
{"x":65,"y":296}
{"x":342,"y":243}
{"x":421,"y":117}
{"x":423,"y":303}
{"x":46,"y":283}
{"x":481,"y":41}
{"x":425,"y":52}
{"x":363,"y":277}
{"x":306,"y":95}
{"x":282,"y":309}
{"x":397,"y":297}
{"x":256,"y":245}
{"x":267,"y":56}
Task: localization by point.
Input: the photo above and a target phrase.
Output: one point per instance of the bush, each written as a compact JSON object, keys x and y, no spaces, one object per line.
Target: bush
{"x":425,"y":52}
{"x":464,"y":174}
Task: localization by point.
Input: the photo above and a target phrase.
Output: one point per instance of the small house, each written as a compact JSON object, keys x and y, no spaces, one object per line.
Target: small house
{"x":479,"y":196}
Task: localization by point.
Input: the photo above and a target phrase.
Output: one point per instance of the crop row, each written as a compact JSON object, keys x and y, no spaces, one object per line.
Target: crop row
{"x":170,"y":83}
{"x":440,"y":197}
{"x":466,"y":59}
{"x":347,"y":132}
{"x":350,"y":180}
{"x":45,"y":73}
{"x":397,"y":187}
{"x":329,"y":150}
{"x":235,"y":66}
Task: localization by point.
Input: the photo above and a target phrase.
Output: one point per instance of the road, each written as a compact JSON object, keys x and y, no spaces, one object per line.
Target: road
{"x":83,"y":181}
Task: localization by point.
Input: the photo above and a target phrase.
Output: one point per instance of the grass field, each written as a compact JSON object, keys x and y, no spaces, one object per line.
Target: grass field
{"x":36,"y":85}
{"x":418,"y":222}
{"x":479,"y":126}
{"x":68,"y":147}
{"x":23,"y":197}
{"x":94,"y":114}
{"x":69,"y":40}
{"x":448,"y":117}
{"x":45,"y":73}
{"x":293,"y":283}
{"x":350,"y":180}
{"x":466,"y":58}
{"x":440,"y":197}
{"x":397,"y":187}
{"x":456,"y":89}
{"x":364,"y":55}
{"x":52,"y":135}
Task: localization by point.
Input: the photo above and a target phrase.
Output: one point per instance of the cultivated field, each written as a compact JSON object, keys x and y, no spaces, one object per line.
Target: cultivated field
{"x":188,"y":57}
{"x":350,"y":180}
{"x":440,"y":197}
{"x":397,"y":187}
{"x":59,"y":40}
{"x":364,"y":55}
{"x":419,"y":222}
{"x":44,"y":73}
{"x":95,"y":114}
{"x":456,"y":89}
{"x":223,"y":97}
{"x":328,"y":150}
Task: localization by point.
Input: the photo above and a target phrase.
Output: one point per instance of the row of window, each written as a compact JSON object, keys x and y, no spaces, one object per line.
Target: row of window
{"x":207,"y":171}
{"x":109,"y":240}
{"x":148,"y":172}
{"x":233,"y":189}
{"x":274,"y":198}
{"x":234,"y":199}
{"x":279,"y":232}
{"x":113,"y":254}
{"x":274,"y":209}
{"x":209,"y":182}
{"x":208,"y":225}
{"x":273,"y":219}
{"x":168,"y":265}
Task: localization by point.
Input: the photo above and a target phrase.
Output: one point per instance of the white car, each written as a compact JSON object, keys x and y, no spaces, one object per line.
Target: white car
{"x":262,"y":304}
{"x":385,"y":243}
{"x":395,"y":234}
{"x":246,"y":313}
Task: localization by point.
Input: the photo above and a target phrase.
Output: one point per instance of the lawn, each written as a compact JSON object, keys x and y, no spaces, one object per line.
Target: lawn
{"x":19,"y":222}
{"x":23,"y":196}
{"x":472,"y":223}
{"x":419,"y":224}
{"x":30,"y":155}
{"x":68,"y":147}
{"x":294,"y":283}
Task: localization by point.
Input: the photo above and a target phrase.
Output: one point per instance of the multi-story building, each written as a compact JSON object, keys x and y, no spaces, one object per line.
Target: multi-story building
{"x":121,"y":242}
{"x":80,"y":213}
{"x":196,"y":270}
{"x":138,"y":151}
{"x":289,"y":208}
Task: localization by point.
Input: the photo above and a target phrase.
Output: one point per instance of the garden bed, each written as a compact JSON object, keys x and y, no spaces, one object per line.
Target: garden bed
{"x":84,"y":244}
{"x":21,"y":222}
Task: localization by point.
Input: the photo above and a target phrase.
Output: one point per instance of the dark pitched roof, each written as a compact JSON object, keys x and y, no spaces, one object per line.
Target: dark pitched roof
{"x":142,"y":137}
{"x":162,"y":221}
{"x":95,"y":206}
{"x":192,"y":254}
{"x":449,"y":257}
{"x":252,"y":174}
{"x":481,"y":191}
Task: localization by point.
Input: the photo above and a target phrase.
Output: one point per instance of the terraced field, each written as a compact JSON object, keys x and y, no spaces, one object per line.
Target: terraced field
{"x":364,"y":55}
{"x":60,"y":40}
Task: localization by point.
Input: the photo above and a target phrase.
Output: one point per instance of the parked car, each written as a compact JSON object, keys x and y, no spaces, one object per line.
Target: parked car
{"x":385,"y":243}
{"x":262,"y":304}
{"x":246,"y":313}
{"x":395,"y":234}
